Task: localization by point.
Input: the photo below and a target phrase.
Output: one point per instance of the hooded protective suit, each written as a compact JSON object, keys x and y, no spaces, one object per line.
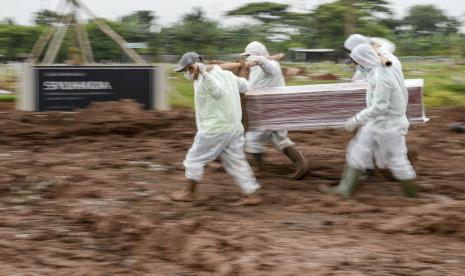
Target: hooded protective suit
{"x":386,"y":48}
{"x":356,"y":39}
{"x":267,"y":74}
{"x":220,"y":132}
{"x":384,"y":120}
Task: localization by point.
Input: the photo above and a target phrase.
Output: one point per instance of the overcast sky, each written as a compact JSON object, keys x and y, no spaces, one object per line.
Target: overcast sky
{"x":170,"y":11}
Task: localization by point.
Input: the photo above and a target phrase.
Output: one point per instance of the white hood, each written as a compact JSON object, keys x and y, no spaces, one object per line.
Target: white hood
{"x":365,"y":56}
{"x":256,"y":49}
{"x":354,"y":40}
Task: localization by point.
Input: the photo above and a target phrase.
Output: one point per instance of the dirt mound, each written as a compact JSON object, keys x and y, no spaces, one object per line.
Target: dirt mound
{"x":99,"y":112}
{"x":291,"y":72}
{"x":203,"y":245}
{"x":429,"y":219}
{"x":327,"y":76}
{"x":125,"y":118}
{"x":167,"y":240}
{"x":120,"y":232}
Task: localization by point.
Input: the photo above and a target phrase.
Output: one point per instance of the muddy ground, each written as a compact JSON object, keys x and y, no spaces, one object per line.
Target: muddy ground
{"x":85,"y":194}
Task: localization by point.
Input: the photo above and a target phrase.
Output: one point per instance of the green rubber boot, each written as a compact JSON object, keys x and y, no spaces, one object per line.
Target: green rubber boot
{"x":348,"y":182}
{"x":299,"y":162}
{"x":410,"y":188}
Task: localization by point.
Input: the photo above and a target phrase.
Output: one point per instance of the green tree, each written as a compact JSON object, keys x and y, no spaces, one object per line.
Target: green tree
{"x":277,"y":22}
{"x":331,"y":19}
{"x":428,"y":30}
{"x":195,"y":32}
{"x":265,"y":12}
{"x":46,"y":17}
{"x":138,"y":26}
{"x":428,"y":19}
{"x":105,"y":48}
{"x":235,"y":39}
{"x":17,"y":41}
{"x":375,"y":9}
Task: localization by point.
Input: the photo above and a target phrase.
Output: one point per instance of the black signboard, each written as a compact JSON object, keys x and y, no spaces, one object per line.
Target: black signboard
{"x":64,"y":88}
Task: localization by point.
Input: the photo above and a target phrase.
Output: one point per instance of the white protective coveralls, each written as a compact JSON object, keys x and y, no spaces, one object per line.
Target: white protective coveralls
{"x":220,"y":132}
{"x":267,"y":74}
{"x":387,"y":49}
{"x":384,"y":120}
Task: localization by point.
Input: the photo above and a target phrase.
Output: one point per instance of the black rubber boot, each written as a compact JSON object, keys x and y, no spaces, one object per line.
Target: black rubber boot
{"x":410,"y":188}
{"x":299,"y":161}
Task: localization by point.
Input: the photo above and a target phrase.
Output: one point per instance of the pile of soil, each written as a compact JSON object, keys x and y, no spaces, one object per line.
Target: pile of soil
{"x":291,"y":72}
{"x":327,"y":76}
{"x":84,"y":193}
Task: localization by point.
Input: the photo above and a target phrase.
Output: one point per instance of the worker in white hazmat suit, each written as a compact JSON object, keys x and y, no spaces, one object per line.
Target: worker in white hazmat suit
{"x":268,"y":74}
{"x":383,"y":123}
{"x":220,"y":132}
{"x":383,"y":46}
{"x":386,"y":49}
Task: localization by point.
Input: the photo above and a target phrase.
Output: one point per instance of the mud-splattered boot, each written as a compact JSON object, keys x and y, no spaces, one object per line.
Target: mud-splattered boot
{"x":187,"y":194}
{"x":347,"y":184}
{"x":299,"y":161}
{"x":249,"y":200}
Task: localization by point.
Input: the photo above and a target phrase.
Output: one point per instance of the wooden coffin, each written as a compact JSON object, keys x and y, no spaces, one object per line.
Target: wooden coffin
{"x":318,"y":106}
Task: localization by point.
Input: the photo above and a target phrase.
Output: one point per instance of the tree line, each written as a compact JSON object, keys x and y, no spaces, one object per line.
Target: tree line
{"x":426,"y":30}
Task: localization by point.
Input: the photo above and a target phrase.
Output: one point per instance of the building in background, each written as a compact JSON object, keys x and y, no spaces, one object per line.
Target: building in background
{"x":312,"y":55}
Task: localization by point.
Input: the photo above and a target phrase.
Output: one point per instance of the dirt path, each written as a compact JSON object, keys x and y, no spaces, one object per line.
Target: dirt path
{"x":84,"y":194}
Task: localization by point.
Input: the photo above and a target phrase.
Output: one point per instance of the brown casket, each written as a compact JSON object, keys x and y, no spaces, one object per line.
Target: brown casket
{"x":318,"y":106}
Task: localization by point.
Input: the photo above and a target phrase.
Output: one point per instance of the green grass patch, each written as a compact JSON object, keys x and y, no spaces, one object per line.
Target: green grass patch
{"x":7,"y":98}
{"x":181,"y":91}
{"x":442,"y":82}
{"x":460,"y":88}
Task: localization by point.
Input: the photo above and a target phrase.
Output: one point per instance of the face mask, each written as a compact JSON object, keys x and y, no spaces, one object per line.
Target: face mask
{"x":188,"y":76}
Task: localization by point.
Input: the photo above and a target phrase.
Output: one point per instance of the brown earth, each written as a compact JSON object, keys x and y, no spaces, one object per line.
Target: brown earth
{"x":85,"y":194}
{"x":327,"y":76}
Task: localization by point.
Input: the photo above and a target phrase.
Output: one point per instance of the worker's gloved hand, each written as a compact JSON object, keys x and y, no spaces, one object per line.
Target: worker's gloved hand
{"x":351,"y":124}
{"x":202,"y":68}
{"x":257,"y":59}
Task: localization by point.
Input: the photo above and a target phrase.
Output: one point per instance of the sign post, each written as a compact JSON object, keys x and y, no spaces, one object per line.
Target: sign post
{"x":65,"y":88}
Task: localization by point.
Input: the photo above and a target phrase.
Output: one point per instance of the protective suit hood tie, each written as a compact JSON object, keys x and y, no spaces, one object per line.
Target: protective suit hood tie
{"x":366,"y":56}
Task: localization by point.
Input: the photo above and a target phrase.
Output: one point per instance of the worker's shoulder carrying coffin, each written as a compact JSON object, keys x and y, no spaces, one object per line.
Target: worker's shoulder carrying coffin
{"x":318,"y":106}
{"x":65,"y":88}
